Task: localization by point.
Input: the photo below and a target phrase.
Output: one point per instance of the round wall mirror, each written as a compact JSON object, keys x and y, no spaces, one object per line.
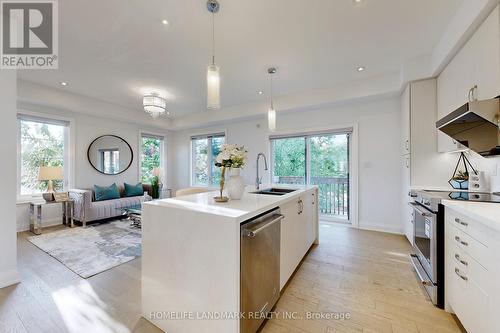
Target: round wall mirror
{"x":110,"y":154}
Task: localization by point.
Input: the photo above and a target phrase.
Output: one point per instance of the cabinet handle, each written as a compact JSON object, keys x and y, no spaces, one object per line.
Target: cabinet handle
{"x":463,"y":262}
{"x":463,"y":277}
{"x":300,"y":206}
{"x":407,"y":145}
{"x":461,"y":241}
{"x":314,"y":197}
{"x":465,"y":224}
{"x":472,"y":94}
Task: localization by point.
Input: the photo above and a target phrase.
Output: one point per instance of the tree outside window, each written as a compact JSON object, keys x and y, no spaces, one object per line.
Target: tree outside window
{"x":151,"y":157}
{"x":204,"y":152}
{"x":41,"y":144}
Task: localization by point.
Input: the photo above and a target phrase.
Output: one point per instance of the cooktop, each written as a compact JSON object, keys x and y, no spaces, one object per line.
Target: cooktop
{"x":465,"y":196}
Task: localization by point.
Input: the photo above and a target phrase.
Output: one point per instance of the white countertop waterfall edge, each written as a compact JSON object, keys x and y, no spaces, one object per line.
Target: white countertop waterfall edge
{"x":485,"y":212}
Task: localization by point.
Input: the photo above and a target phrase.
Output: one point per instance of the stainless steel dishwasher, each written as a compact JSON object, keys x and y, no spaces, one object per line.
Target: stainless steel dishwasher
{"x":260,"y":269}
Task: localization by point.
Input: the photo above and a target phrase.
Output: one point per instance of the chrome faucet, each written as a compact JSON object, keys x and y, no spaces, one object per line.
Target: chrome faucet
{"x":258,"y":180}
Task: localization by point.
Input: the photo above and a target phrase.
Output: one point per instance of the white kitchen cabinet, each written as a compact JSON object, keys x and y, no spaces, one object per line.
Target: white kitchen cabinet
{"x":407,"y":212}
{"x":476,"y":64}
{"x":472,"y":272}
{"x":309,"y":205}
{"x":298,"y":232}
{"x":418,"y":144}
{"x":405,"y":121}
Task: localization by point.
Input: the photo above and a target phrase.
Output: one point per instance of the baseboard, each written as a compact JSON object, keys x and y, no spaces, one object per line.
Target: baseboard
{"x":45,"y":223}
{"x":389,"y":228}
{"x":9,"y":277}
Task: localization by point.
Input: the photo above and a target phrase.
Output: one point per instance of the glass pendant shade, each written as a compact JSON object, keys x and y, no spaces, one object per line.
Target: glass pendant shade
{"x":213,"y":87}
{"x":154,"y":105}
{"x":271,"y":119}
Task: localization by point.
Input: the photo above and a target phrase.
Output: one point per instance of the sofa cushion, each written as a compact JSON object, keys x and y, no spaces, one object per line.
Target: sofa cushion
{"x":106,"y":192}
{"x":133,"y":190}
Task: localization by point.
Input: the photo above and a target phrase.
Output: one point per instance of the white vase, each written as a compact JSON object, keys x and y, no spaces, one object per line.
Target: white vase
{"x":235,"y":186}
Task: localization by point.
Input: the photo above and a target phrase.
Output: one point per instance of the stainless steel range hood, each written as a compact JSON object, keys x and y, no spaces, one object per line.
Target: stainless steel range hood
{"x":476,"y":126}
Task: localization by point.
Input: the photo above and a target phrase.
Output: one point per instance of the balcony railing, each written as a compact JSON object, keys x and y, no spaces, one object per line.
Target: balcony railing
{"x":333,"y":193}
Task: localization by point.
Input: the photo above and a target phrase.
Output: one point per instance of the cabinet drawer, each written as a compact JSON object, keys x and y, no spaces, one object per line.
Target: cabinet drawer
{"x":470,"y":246}
{"x":468,"y":267}
{"x":470,"y":303}
{"x":469,"y":226}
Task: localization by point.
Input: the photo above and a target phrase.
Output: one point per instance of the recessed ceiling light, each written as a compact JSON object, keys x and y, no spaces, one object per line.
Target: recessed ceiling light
{"x":64,"y":83}
{"x":168,"y":113}
{"x":360,"y":68}
{"x":164,"y":22}
{"x":357,"y":2}
{"x":261,"y":92}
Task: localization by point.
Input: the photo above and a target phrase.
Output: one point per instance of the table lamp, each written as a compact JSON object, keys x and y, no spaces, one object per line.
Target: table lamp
{"x":50,"y":173}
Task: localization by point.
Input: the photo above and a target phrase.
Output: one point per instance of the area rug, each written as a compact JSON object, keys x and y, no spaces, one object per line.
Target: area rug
{"x":92,"y":250}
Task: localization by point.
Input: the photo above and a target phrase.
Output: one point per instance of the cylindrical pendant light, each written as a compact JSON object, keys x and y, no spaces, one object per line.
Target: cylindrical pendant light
{"x":213,"y":87}
{"x":213,"y":75}
{"x":271,"y":113}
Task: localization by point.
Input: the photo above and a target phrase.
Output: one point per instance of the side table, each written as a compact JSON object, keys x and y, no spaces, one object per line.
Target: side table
{"x":36,"y":214}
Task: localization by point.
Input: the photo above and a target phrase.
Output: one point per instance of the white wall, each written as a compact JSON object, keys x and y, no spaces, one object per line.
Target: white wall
{"x":379,"y":136}
{"x":87,"y":128}
{"x":8,"y":249}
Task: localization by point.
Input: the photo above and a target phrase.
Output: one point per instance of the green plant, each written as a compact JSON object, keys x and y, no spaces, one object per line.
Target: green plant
{"x":461,"y":175}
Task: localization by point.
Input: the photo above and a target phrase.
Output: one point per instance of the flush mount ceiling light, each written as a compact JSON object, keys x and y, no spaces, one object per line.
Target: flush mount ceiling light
{"x":213,"y":75}
{"x":64,"y":83}
{"x":360,"y":68}
{"x":271,"y":113}
{"x":260,"y":92}
{"x":154,"y":105}
{"x":164,"y":22}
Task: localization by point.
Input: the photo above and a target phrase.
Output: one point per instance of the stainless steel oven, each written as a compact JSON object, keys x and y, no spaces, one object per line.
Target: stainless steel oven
{"x":425,"y":248}
{"x":428,"y":256}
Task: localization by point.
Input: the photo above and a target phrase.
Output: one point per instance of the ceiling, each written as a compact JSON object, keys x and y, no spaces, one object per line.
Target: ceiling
{"x":115,"y":51}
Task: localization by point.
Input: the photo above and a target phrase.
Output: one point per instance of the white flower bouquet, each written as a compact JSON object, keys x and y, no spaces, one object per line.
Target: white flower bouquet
{"x":232,"y":156}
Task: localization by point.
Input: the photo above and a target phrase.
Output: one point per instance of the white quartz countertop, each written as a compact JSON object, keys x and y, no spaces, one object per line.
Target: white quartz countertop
{"x":250,"y":205}
{"x":484,"y":212}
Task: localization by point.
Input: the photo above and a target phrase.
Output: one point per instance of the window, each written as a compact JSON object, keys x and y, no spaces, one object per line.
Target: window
{"x":316,"y":159}
{"x":110,"y":159}
{"x":151,"y":155}
{"x":41,"y":142}
{"x":205,"y":149}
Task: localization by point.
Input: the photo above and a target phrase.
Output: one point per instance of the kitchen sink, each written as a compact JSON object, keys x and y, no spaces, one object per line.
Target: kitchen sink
{"x":275,"y":191}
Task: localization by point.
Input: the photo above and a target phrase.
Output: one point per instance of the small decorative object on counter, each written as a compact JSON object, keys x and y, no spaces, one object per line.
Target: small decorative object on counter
{"x":222,"y":198}
{"x":460,"y":178}
{"x":235,"y":158}
{"x":156,"y":183}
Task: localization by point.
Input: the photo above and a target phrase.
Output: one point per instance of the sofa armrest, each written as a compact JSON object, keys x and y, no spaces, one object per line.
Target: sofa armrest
{"x":83,"y":200}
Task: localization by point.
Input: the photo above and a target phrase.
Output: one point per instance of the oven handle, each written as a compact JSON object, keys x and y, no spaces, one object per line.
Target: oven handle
{"x":415,"y":206}
{"x":420,"y":271}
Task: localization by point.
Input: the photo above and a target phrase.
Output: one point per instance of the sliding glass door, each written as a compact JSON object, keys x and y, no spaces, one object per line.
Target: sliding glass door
{"x":320,"y":159}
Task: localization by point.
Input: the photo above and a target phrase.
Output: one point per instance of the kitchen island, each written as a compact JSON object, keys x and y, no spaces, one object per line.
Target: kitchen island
{"x":191,"y":255}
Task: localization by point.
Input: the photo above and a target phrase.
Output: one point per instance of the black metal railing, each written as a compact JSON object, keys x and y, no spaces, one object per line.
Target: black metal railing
{"x":333,"y":193}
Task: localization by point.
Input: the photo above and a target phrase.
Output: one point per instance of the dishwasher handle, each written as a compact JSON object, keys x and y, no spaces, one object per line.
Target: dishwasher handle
{"x":251,"y":233}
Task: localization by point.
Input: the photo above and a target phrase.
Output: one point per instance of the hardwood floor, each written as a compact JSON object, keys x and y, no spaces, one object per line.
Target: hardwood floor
{"x":362,"y":274}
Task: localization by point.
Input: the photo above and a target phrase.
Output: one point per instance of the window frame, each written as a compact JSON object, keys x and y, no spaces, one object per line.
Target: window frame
{"x":210,"y":164}
{"x":69,"y":149}
{"x":163,"y":153}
